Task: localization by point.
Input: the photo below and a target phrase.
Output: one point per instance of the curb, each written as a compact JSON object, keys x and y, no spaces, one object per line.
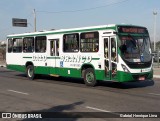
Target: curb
{"x":156,"y":76}
{"x":3,"y":66}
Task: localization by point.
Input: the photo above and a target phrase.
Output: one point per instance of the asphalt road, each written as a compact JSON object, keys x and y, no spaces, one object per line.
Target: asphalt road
{"x":50,"y":94}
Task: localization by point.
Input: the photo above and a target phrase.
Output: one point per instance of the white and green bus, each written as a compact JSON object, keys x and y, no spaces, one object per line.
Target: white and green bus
{"x":120,"y":53}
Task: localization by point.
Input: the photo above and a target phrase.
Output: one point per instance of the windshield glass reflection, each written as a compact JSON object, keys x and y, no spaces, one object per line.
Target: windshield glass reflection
{"x":135,"y":49}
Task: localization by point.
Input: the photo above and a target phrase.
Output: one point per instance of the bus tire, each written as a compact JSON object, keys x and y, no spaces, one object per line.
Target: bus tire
{"x":89,"y":77}
{"x":30,"y":72}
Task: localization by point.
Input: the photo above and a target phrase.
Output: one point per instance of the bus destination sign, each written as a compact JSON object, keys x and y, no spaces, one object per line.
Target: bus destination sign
{"x":133,"y":30}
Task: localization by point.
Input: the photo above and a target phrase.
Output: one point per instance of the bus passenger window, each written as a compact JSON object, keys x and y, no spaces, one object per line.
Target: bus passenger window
{"x":113,"y":49}
{"x":106,"y":48}
{"x":71,"y":42}
{"x":28,"y":44}
{"x":52,"y":48}
{"x":10,"y":45}
{"x":17,"y":45}
{"x":40,"y":44}
{"x":57,"y":46}
{"x":90,"y":42}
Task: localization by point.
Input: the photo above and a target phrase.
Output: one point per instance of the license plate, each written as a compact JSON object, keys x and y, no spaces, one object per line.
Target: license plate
{"x":142,"y":78}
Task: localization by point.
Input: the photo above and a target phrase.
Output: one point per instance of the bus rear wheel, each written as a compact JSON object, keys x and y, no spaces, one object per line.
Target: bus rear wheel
{"x":89,"y":77}
{"x":30,"y":72}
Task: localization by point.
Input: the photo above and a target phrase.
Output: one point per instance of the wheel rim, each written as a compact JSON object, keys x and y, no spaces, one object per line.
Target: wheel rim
{"x":89,"y":77}
{"x":30,"y":72}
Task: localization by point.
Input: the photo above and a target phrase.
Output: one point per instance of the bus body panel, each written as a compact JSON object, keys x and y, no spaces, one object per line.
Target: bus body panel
{"x":71,"y":64}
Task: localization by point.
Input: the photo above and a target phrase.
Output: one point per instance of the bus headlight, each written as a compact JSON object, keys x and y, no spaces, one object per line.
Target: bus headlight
{"x":125,"y":68}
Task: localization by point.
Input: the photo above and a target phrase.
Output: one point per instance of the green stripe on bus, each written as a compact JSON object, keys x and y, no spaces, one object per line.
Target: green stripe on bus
{"x":58,"y":58}
{"x":95,"y":58}
{"x":28,"y":57}
{"x":53,"y":57}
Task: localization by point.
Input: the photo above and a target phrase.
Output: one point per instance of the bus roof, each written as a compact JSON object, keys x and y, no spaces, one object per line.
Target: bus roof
{"x":62,"y":31}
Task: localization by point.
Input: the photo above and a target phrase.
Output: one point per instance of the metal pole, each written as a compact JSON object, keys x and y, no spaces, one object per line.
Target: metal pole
{"x":35,"y":22}
{"x":155,"y":14}
{"x":158,"y":57}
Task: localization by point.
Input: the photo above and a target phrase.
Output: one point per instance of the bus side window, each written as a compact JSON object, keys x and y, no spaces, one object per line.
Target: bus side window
{"x":71,"y":42}
{"x":89,"y":42}
{"x":10,"y":45}
{"x":57,"y":47}
{"x":52,"y":48}
{"x":40,"y":44}
{"x":17,"y":45}
{"x":113,"y":49}
{"x":106,"y":48}
{"x":28,"y":44}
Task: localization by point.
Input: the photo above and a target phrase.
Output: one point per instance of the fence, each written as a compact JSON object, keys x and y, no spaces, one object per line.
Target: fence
{"x":2,"y":54}
{"x":156,"y":60}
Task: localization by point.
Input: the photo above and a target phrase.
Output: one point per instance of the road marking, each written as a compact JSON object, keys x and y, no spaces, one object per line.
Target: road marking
{"x":97,"y":109}
{"x":154,"y":94}
{"x":18,"y":92}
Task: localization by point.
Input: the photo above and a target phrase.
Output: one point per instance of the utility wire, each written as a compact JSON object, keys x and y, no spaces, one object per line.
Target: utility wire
{"x":80,"y":10}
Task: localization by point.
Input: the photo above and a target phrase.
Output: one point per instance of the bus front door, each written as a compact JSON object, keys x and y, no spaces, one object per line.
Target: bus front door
{"x":110,"y":58}
{"x":54,"y":53}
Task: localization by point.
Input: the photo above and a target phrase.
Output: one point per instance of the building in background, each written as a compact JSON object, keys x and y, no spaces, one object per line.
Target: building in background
{"x":2,"y":50}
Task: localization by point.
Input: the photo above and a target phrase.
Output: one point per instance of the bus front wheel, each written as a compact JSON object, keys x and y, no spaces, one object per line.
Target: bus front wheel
{"x":30,"y":72}
{"x":89,"y":77}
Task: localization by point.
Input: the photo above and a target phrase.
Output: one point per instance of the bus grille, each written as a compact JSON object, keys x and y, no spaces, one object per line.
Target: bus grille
{"x":141,"y":65}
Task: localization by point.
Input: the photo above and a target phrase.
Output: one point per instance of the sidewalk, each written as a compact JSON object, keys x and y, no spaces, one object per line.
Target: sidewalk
{"x":156,"y":72}
{"x":2,"y":63}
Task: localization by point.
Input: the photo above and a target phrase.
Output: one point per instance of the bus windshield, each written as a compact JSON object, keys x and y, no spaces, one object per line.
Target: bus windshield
{"x":135,"y":48}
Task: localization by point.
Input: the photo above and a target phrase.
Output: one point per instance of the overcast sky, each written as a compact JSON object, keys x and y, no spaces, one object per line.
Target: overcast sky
{"x":59,"y":14}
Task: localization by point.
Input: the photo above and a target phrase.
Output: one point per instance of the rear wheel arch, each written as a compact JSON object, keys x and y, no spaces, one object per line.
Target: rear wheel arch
{"x":30,"y":70}
{"x":88,"y":74}
{"x":29,"y":63}
{"x":84,"y":67}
